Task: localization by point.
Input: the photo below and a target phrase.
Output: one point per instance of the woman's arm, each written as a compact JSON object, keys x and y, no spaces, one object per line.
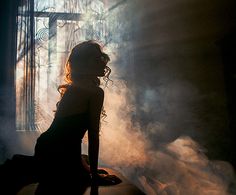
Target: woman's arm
{"x":95,"y":107}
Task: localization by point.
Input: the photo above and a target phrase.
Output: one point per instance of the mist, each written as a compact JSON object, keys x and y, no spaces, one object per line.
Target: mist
{"x":166,"y":128}
{"x":177,"y":167}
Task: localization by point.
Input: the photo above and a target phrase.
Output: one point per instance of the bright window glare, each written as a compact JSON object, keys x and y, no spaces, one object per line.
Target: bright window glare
{"x":58,"y":26}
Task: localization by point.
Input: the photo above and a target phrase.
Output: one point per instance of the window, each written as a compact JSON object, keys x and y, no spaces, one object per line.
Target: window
{"x":47,"y":31}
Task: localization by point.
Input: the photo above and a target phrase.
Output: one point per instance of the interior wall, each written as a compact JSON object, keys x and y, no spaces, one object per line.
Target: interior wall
{"x":8,"y":10}
{"x":178,"y":72}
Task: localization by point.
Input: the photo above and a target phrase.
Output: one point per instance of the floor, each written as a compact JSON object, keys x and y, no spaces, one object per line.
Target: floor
{"x":124,"y":188}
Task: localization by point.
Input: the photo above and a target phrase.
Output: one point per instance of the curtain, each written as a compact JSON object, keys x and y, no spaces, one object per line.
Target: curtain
{"x":25,"y":109}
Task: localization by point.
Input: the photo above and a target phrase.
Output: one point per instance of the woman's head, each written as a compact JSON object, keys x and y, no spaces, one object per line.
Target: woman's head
{"x":87,"y":60}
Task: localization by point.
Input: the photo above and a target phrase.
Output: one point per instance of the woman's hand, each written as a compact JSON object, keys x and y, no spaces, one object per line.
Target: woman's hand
{"x":102,"y":171}
{"x":105,"y":180}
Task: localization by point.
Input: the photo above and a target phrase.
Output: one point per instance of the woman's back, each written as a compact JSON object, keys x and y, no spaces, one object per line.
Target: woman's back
{"x":74,"y":101}
{"x":69,"y":125}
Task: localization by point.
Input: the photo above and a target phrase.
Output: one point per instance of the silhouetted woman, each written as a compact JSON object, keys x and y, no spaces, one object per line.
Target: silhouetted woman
{"x":57,"y":162}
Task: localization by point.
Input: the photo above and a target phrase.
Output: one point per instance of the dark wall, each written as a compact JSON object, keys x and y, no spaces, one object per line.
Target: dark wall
{"x":7,"y":72}
{"x":228,"y":52}
{"x":184,"y":82}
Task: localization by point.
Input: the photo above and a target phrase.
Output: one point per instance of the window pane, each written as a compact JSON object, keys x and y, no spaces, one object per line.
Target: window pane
{"x":58,"y":26}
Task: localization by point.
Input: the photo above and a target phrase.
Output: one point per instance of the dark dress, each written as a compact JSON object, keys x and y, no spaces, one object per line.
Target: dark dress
{"x":58,"y":152}
{"x":56,"y":164}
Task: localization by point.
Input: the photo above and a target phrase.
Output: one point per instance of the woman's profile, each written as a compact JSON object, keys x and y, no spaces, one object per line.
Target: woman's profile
{"x":57,"y":161}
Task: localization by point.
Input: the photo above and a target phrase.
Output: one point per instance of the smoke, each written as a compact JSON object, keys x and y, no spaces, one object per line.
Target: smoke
{"x":171,"y":94}
{"x":171,"y":98}
{"x":171,"y":101}
{"x":177,"y":167}
{"x":119,"y":130}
